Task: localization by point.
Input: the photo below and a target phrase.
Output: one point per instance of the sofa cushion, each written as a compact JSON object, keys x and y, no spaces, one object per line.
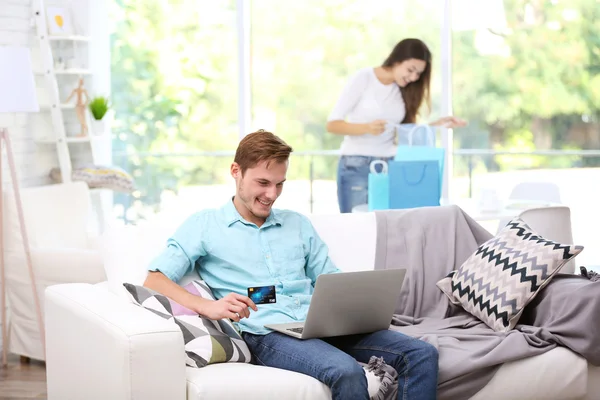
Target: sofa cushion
{"x":257,"y":382}
{"x":55,"y":216}
{"x":348,"y":231}
{"x":558,"y":374}
{"x":506,"y":273}
{"x":252,"y":382}
{"x":206,"y":341}
{"x":128,"y":250}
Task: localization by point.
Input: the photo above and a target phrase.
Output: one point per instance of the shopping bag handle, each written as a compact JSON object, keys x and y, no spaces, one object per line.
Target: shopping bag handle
{"x":430,"y":139}
{"x":414,"y":129}
{"x":384,"y":167}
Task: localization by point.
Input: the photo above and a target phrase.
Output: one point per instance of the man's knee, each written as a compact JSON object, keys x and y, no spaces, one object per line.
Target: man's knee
{"x":348,"y":371}
{"x":427,"y":352}
{"x":347,"y":380}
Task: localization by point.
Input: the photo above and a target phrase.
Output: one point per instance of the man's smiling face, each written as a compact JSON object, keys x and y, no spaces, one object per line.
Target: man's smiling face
{"x":258,"y":188}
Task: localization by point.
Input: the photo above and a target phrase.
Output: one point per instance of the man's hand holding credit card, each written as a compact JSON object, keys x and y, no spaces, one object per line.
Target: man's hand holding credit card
{"x":262,"y":294}
{"x":234,"y":306}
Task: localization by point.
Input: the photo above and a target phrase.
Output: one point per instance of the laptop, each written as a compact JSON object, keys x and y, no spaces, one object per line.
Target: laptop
{"x":348,"y":303}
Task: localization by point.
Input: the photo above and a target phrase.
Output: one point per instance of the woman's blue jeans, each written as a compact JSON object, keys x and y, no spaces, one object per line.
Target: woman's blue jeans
{"x":353,"y":180}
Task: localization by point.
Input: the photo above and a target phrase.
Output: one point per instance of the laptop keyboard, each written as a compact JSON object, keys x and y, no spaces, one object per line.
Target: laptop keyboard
{"x":297,"y":330}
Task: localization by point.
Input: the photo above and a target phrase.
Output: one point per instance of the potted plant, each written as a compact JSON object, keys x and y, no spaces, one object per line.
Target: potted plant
{"x":99,"y":107}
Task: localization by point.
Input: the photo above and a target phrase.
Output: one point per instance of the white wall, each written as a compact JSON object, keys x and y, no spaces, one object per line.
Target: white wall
{"x":34,"y":161}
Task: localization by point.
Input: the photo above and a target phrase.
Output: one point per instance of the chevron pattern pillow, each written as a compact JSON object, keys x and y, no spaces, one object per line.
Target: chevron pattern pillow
{"x":505,"y":273}
{"x":206,"y":341}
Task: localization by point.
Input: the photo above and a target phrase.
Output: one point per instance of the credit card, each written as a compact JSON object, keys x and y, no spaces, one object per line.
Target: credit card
{"x":262,"y":294}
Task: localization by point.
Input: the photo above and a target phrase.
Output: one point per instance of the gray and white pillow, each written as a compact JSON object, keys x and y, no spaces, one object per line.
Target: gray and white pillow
{"x":206,"y":341}
{"x":505,"y":273}
{"x":99,"y":177}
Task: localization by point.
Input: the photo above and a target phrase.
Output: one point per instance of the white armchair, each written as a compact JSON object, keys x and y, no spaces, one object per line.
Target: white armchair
{"x":62,"y":251}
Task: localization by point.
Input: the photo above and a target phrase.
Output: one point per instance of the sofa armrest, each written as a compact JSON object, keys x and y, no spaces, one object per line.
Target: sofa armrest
{"x":101,"y":347}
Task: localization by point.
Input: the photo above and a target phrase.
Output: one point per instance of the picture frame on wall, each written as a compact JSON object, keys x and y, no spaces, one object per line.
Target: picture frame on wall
{"x":59,"y":21}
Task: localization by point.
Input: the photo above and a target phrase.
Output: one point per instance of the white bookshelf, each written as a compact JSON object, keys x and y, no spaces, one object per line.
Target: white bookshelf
{"x":71,"y":38}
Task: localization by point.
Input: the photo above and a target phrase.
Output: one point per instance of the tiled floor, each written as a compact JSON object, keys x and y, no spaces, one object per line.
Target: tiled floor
{"x":22,"y":380}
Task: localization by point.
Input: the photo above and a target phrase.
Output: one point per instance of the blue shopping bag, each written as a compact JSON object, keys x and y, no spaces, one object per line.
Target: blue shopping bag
{"x":379,"y":188}
{"x":414,"y":183}
{"x":422,"y":153}
{"x":416,"y":142}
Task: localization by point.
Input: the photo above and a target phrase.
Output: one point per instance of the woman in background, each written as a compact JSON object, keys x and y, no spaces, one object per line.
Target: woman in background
{"x":390,"y":94}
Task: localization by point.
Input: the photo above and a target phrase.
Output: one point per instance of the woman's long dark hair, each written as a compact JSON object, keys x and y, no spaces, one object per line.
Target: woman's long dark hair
{"x":415,"y":92}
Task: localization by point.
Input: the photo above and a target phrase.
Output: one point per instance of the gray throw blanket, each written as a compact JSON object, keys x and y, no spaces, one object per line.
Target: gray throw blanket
{"x":430,"y":242}
{"x":591,"y":275}
{"x":566,"y":312}
{"x":387,"y":375}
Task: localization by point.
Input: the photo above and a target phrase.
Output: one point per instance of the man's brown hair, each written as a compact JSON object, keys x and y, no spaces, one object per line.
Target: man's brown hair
{"x":261,"y":146}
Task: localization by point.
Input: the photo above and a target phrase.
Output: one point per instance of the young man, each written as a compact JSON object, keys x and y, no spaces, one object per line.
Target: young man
{"x":248,"y":243}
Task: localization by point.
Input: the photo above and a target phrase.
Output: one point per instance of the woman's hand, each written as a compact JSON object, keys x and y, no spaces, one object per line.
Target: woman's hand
{"x":376,"y":127}
{"x":450,"y":122}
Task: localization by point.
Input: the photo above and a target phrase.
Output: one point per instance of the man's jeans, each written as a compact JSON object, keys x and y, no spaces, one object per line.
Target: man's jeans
{"x":353,"y":180}
{"x":333,"y":361}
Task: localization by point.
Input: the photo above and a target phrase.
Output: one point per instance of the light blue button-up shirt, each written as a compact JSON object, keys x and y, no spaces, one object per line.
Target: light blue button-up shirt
{"x":232,"y":254}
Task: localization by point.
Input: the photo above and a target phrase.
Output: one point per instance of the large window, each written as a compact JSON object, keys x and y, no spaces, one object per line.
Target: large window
{"x":304,"y":52}
{"x":527,"y":76}
{"x":174,"y":85}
